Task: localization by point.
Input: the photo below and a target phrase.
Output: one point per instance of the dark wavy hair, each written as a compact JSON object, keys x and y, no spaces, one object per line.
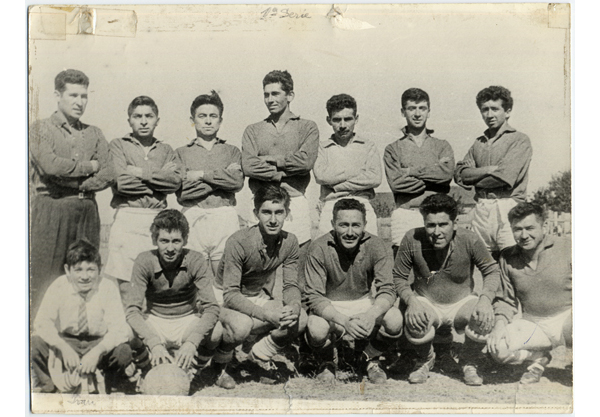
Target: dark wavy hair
{"x":82,"y":251}
{"x":414,"y":94}
{"x":522,"y":210}
{"x":212,"y":98}
{"x":70,"y":76}
{"x":341,"y":102}
{"x":494,"y":93}
{"x":349,"y":204}
{"x":271,"y":192}
{"x":170,"y":220}
{"x":142,"y":101}
{"x":439,"y":203}
{"x":282,"y":77}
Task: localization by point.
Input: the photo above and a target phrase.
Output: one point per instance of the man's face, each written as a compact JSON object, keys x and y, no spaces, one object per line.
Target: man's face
{"x":276,"y":100}
{"x":143,"y":121}
{"x":72,"y":101}
{"x":170,"y":246}
{"x":416,"y":114}
{"x":493,"y":113}
{"x":349,"y":228}
{"x":528,"y":232}
{"x":271,"y":216}
{"x":343,"y":122}
{"x":207,"y":121}
{"x":83,"y":276}
{"x":440,"y":229}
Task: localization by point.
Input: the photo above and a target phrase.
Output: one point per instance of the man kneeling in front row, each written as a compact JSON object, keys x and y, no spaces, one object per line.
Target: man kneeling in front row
{"x":341,"y":268}
{"x":183,"y":314}
{"x":442,"y":257}
{"x":535,"y":273}
{"x":80,"y":328}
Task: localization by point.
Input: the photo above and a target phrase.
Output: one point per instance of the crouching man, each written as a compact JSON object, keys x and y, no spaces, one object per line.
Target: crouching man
{"x":181,"y":326}
{"x":341,"y":268}
{"x":246,"y":277}
{"x":80,"y":328}
{"x":535,"y":273}
{"x":442,"y":257}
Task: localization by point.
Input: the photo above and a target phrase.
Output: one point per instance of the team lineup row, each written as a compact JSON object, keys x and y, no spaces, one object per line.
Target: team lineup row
{"x":71,"y":160}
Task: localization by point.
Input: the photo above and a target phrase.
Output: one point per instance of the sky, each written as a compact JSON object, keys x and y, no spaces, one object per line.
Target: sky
{"x":450,"y":51}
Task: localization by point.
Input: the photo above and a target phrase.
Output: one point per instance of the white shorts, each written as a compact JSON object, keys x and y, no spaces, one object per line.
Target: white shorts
{"x":551,"y":326}
{"x":259,"y":300}
{"x":404,"y":220}
{"x":210,"y":228}
{"x":446,"y":313}
{"x":327,"y":216}
{"x":353,"y":307}
{"x":490,"y":222}
{"x":171,"y":331}
{"x":129,"y":236}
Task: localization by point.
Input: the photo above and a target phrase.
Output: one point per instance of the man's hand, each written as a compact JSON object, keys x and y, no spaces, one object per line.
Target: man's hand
{"x":194,"y":175}
{"x":185,"y":355}
{"x":270,"y":159}
{"x":95,"y":165}
{"x":69,"y":356}
{"x":498,"y":333}
{"x":289,"y":316}
{"x":90,"y":360}
{"x":234,"y":165}
{"x":160,"y":355}
{"x":366,"y":322}
{"x":416,"y":315}
{"x":355,"y":329}
{"x":135,"y":171}
{"x":483,"y":314}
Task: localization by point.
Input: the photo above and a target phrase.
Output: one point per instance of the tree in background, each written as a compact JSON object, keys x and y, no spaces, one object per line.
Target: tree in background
{"x":557,"y":195}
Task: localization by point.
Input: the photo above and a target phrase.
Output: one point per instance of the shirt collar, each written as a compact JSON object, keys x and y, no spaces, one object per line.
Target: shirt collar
{"x":133,"y":139}
{"x":404,"y":130}
{"x":286,"y":118}
{"x":198,"y":141}
{"x":331,"y":141}
{"x":159,"y":268}
{"x":505,"y":128}
{"x":59,"y":119}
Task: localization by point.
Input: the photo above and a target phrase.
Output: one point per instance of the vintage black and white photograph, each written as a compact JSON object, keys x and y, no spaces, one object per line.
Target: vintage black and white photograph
{"x":239,"y":209}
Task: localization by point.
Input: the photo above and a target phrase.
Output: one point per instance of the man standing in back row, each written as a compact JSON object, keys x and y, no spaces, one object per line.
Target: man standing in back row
{"x":498,"y":166}
{"x":348,"y":165}
{"x":282,"y":149}
{"x":416,"y":166}
{"x":68,"y":164}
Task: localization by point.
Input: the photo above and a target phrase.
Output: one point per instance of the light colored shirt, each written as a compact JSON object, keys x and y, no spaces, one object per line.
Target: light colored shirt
{"x":415,"y":172}
{"x":295,"y":146}
{"x":59,"y":313}
{"x":334,"y":275}
{"x":247,"y":269}
{"x":345,"y":171}
{"x":149,"y":191}
{"x":221,"y":179}
{"x":544,"y":291}
{"x":511,"y":152}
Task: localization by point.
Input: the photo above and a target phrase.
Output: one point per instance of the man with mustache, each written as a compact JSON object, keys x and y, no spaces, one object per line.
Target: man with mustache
{"x":442,"y":257}
{"x":497,"y":165}
{"x":416,"y":166}
{"x":213,"y":174}
{"x":341,"y":269}
{"x":68,"y":164}
{"x":146,"y":172}
{"x":536,"y":274}
{"x":347,"y":165}
{"x":282,"y":150}
{"x":176,"y":284}
{"x":246,"y":277}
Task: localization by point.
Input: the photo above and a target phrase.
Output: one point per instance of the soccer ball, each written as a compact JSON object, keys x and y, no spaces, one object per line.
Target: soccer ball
{"x":166,"y":379}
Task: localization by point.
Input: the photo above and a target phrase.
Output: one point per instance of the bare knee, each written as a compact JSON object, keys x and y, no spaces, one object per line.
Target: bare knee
{"x":393,"y":322}
{"x":236,"y":329}
{"x":317,"y":329}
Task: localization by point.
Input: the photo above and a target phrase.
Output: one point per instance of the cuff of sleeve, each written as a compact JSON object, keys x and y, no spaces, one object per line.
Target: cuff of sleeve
{"x":195,"y":338}
{"x":489,"y":294}
{"x":153,"y":341}
{"x":259,"y":313}
{"x":146,"y":173}
{"x":504,"y":316}
{"x":388,"y":297}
